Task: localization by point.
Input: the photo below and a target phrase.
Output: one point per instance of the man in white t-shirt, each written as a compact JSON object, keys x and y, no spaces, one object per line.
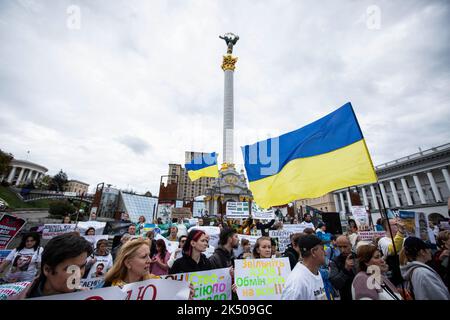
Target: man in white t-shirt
{"x":306,"y":223}
{"x":305,"y":282}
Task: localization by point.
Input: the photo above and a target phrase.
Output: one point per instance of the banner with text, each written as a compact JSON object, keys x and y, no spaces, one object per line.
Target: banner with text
{"x":283,"y":238}
{"x":110,"y":293}
{"x":9,"y":228}
{"x":53,"y":230}
{"x":294,"y":228}
{"x":237,"y":210}
{"x":157,"y":289}
{"x":12,"y":289}
{"x":261,"y":279}
{"x":260,"y":213}
{"x":82,"y":226}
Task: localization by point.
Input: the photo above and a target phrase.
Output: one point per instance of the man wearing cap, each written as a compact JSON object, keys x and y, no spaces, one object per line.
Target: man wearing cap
{"x":423,"y":281}
{"x":305,"y":282}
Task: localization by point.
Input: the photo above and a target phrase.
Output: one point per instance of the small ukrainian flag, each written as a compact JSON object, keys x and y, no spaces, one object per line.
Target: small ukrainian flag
{"x":203,"y":166}
{"x":326,"y":155}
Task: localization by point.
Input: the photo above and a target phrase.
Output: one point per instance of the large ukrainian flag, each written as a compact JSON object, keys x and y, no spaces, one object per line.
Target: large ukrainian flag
{"x":203,"y":167}
{"x":324,"y":156}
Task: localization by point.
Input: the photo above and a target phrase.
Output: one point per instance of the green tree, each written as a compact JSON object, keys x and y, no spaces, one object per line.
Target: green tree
{"x":61,"y":208}
{"x":5,"y":161}
{"x":44,"y":183}
{"x":58,"y":181}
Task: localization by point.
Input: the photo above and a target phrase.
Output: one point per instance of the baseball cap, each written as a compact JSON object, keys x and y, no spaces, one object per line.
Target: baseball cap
{"x":307,"y":242}
{"x":415,"y":244}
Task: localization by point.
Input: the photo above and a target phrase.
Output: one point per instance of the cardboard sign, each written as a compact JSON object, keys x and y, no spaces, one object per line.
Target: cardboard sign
{"x":283,"y":238}
{"x":361,"y":218}
{"x":53,"y":230}
{"x":181,"y":213}
{"x":9,"y":228}
{"x":236,"y":210}
{"x":12,"y":289}
{"x":370,"y":235}
{"x":260,"y":213}
{"x":208,"y":285}
{"x":157,"y":289}
{"x":110,"y":293}
{"x":261,"y":279}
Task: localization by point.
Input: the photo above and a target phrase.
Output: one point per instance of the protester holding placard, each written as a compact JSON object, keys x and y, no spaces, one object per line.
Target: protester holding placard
{"x":101,"y":256}
{"x":193,"y":258}
{"x":25,"y":260}
{"x":343,"y":268}
{"x":159,"y":261}
{"x":223,"y":255}
{"x":307,"y":223}
{"x":422,"y":281}
{"x":61,"y":252}
{"x":305,"y":281}
{"x":264,"y":227}
{"x":178,"y":252}
{"x":262,"y":248}
{"x":370,"y":262}
{"x":132,"y":264}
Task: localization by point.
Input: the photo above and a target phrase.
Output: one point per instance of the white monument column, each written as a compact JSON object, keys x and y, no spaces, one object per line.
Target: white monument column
{"x":336,"y":201}
{"x":341,"y":196}
{"x":434,"y":187}
{"x":446,"y":177}
{"x":11,"y":175}
{"x":419,"y":189}
{"x":228,"y":66}
{"x":406,"y":190}
{"x":384,"y":195}
{"x":374,"y":197}
{"x":30,"y":171}
{"x":20,"y":176}
{"x":366,"y":202}
{"x":394,"y":192}
{"x":349,"y":201}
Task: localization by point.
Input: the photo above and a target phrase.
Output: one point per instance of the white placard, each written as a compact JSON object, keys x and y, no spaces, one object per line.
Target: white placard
{"x":82,"y":226}
{"x":157,"y":289}
{"x":213,"y":233}
{"x":53,"y":230}
{"x":237,"y":210}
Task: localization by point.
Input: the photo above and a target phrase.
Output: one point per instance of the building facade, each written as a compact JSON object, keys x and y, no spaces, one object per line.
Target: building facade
{"x":419,"y":182}
{"x":22,"y":172}
{"x":76,"y":186}
{"x":325,"y":204}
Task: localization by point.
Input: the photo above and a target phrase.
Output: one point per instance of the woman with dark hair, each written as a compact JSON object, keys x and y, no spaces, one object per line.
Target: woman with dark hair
{"x":90,"y":231}
{"x":373,"y":266}
{"x":178,"y":252}
{"x":262,"y":248}
{"x":159,"y":261}
{"x":193,"y":258}
{"x":66,"y":220}
{"x":25,"y":259}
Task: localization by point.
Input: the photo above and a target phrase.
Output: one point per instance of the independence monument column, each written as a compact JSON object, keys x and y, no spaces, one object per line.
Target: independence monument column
{"x":228,"y":66}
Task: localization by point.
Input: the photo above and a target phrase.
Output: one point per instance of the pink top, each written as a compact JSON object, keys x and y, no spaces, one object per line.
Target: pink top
{"x":156,"y":269}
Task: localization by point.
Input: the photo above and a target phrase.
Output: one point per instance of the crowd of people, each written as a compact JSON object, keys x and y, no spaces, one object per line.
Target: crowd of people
{"x":323,"y":266}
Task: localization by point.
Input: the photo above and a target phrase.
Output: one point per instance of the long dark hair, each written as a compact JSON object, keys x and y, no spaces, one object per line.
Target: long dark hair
{"x":33,"y":235}
{"x":194,"y":235}
{"x":162,"y":244}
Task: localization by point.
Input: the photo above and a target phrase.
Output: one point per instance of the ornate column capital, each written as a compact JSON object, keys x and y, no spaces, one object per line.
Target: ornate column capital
{"x":229,"y":62}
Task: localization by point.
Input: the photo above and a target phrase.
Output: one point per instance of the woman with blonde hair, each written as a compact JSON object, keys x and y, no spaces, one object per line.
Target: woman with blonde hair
{"x":262,"y":248}
{"x":132,"y":264}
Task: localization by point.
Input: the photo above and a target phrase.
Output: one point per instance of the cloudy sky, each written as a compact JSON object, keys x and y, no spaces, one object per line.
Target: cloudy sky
{"x":113,"y":91}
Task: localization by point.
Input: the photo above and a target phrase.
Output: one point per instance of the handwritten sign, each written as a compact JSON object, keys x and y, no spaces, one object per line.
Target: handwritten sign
{"x":261,"y":279}
{"x":208,"y":285}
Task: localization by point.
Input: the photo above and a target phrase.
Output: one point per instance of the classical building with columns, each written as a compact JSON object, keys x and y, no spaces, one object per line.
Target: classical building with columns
{"x":22,"y":172}
{"x":418,"y":182}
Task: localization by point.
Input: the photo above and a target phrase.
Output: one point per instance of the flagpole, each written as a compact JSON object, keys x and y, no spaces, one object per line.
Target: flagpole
{"x":390,"y":232}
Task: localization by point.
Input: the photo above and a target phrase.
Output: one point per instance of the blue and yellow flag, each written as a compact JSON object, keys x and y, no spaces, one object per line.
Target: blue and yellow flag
{"x":324,"y":156}
{"x":203,"y":166}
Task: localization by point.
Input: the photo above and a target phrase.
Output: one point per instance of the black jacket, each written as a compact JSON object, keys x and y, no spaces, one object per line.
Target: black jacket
{"x":187,"y":264}
{"x":341,"y":278}
{"x":221,"y":258}
{"x":292,"y":255}
{"x":264,"y":227}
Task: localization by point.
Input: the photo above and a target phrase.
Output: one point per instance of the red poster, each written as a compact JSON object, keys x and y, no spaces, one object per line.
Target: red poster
{"x":9,"y":227}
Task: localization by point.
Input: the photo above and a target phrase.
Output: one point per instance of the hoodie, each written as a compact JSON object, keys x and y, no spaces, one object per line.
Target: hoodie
{"x":424,"y":282}
{"x":221,"y":258}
